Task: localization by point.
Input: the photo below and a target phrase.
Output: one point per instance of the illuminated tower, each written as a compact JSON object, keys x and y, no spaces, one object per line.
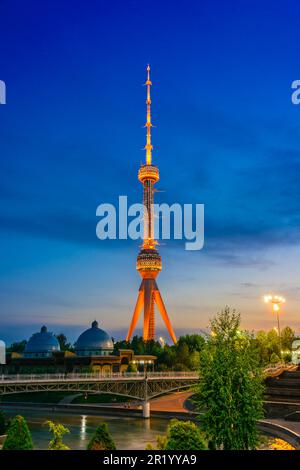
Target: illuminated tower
{"x":149,"y":260}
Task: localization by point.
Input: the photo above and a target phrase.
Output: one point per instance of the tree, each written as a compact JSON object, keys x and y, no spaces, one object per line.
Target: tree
{"x":273,"y":342}
{"x":262,"y":344}
{"x":287,"y":338}
{"x":274,"y":359}
{"x":63,"y":342}
{"x":184,"y":435}
{"x":230,"y":391}
{"x":18,"y":435}
{"x":194,"y":342}
{"x":287,"y":357}
{"x":58,"y":430}
{"x":17,"y":347}
{"x":2,"y":423}
{"x":131,"y":367}
{"x":102,"y":439}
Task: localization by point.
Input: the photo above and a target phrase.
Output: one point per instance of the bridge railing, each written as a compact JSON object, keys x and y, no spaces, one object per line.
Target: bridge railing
{"x":12,"y":378}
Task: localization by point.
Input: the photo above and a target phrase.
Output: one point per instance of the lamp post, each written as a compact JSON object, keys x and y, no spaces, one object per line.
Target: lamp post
{"x":276,"y":302}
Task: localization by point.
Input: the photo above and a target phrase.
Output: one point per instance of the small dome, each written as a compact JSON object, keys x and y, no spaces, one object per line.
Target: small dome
{"x":94,"y":341}
{"x":42,"y":343}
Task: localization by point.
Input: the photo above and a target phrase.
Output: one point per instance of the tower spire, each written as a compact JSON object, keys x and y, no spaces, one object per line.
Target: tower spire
{"x":148,"y":146}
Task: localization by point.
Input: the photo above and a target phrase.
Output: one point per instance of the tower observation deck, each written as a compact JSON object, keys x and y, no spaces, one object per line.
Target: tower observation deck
{"x":149,"y":260}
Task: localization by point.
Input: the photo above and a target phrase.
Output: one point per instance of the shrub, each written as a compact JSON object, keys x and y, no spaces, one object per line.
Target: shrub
{"x":184,"y":435}
{"x":18,"y":435}
{"x":102,"y":439}
{"x":274,"y":359}
{"x":58,"y":430}
{"x":287,"y":357}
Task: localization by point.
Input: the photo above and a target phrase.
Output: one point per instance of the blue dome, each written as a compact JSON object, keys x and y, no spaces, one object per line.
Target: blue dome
{"x":42,"y":343}
{"x":94,"y":341}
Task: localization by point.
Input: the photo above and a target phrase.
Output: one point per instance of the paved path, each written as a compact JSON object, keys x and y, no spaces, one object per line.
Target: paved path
{"x":292,"y":425}
{"x":173,"y":402}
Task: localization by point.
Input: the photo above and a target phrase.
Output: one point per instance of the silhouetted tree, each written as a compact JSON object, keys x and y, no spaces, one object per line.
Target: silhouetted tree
{"x":17,"y":347}
{"x":63,"y":342}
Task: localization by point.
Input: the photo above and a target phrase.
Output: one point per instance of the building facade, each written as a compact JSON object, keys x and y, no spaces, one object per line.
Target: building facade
{"x":93,"y":352}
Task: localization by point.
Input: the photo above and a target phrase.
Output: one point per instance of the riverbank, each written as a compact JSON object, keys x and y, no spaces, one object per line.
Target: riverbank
{"x":98,"y":410}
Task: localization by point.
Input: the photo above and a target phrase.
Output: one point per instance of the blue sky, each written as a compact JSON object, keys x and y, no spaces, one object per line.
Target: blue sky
{"x":71,"y":137}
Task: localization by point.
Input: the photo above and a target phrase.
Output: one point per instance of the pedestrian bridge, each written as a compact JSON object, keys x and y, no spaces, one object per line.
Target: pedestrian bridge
{"x":140,"y":386}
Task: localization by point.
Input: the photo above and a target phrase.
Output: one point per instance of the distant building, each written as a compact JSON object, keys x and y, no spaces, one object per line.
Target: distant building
{"x":94,"y":352}
{"x":94,"y":342}
{"x":42,"y":344}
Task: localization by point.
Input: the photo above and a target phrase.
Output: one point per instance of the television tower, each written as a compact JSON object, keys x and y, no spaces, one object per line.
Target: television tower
{"x":149,"y":260}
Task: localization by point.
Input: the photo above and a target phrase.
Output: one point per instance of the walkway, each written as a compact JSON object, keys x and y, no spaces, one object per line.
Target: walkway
{"x":173,"y":402}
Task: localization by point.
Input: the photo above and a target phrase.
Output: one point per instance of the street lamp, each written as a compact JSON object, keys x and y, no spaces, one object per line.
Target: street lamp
{"x":276,"y":302}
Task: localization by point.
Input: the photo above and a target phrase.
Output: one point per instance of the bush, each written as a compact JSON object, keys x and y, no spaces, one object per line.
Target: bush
{"x":102,"y":439}
{"x":18,"y":435}
{"x":184,"y":435}
{"x":287,"y":357}
{"x":274,"y":359}
{"x":58,"y":430}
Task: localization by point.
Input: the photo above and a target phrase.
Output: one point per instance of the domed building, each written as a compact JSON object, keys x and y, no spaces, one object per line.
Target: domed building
{"x":41,"y":344}
{"x":93,"y":352}
{"x":94,"y":342}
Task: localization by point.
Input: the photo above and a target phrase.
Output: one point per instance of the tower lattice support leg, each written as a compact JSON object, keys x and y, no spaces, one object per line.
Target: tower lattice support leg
{"x":151,"y":334}
{"x":149,"y":319}
{"x":137,"y":311}
{"x":147,"y":307}
{"x":161,"y":307}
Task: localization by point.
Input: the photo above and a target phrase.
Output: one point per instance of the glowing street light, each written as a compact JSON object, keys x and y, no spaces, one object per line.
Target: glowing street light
{"x":276,"y":302}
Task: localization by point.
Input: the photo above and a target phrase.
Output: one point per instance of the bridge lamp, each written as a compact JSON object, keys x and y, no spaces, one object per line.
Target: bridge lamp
{"x":276,"y":301}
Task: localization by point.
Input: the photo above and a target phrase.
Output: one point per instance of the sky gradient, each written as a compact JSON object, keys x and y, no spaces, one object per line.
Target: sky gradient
{"x":71,"y":137}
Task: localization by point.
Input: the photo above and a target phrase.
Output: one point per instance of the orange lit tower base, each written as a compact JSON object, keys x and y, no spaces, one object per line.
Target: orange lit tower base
{"x":149,"y":260}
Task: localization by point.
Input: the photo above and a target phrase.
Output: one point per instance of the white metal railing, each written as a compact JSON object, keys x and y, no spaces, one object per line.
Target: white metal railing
{"x":13,"y":378}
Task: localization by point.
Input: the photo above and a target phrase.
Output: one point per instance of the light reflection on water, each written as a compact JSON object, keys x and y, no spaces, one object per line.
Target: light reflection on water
{"x":128,"y":433}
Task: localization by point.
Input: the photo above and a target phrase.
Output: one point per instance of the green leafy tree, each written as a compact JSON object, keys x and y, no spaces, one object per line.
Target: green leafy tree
{"x":58,"y":430}
{"x":102,"y":439}
{"x":2,"y":423}
{"x":131,"y":368}
{"x":274,"y":359}
{"x":262,"y":344}
{"x":194,"y":360}
{"x":273,"y":342}
{"x":230,"y":391}
{"x":287,"y":357}
{"x":18,"y":435}
{"x":182,"y":435}
{"x":194,"y":342}
{"x":287,"y":338}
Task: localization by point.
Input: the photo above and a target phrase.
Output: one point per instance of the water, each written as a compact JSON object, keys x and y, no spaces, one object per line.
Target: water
{"x":128,"y":433}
